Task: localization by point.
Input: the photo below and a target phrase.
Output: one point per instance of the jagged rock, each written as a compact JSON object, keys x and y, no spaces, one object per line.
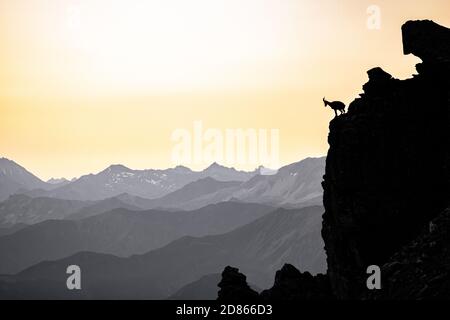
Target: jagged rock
{"x":387,"y":172}
{"x":291,"y":284}
{"x":234,"y":287}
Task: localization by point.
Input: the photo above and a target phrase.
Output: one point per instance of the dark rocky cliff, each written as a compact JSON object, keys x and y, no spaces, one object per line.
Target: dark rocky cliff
{"x":387,"y":177}
{"x":387,"y":171}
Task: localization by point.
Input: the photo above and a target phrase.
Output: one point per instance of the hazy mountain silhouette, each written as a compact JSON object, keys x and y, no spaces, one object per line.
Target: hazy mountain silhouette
{"x":101,"y":206}
{"x":293,"y":185}
{"x":20,"y":208}
{"x":191,"y":195}
{"x":120,"y":232}
{"x":23,"y":209}
{"x":258,"y":248}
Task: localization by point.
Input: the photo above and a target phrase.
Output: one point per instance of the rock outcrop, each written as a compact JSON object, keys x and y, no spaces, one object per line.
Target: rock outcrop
{"x":291,"y":284}
{"x":234,"y":287}
{"x":387,"y":178}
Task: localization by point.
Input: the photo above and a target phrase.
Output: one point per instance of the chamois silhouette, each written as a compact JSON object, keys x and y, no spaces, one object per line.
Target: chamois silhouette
{"x":335,"y":105}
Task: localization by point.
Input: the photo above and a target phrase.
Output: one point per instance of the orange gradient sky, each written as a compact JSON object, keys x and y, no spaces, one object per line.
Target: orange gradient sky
{"x":84,"y":84}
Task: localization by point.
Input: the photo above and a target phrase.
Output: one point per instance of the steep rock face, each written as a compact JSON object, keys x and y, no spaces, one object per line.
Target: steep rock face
{"x":387,"y":171}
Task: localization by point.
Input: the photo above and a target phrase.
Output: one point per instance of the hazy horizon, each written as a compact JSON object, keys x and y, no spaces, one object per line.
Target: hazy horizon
{"x":152,"y":168}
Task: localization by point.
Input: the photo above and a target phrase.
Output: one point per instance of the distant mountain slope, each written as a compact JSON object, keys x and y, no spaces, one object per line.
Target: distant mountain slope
{"x":195,"y":189}
{"x":118,"y":179}
{"x":23,"y":209}
{"x":258,"y":248}
{"x":101,"y":206}
{"x":120,"y":232}
{"x":204,"y":288}
{"x":14,"y":177}
{"x":293,"y":186}
{"x":190,"y":197}
{"x":20,"y":208}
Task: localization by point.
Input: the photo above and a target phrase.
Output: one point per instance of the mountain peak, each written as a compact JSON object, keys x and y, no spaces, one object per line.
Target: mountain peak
{"x":116,"y":168}
{"x":7,"y":162}
{"x":10,"y":167}
{"x":216,"y":166}
{"x":15,"y":178}
{"x":182,"y":169}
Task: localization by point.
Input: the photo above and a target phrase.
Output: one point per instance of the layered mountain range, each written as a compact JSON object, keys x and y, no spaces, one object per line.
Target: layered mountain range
{"x":120,"y":232}
{"x":122,"y":237}
{"x":259,"y":248}
{"x":295,"y":185}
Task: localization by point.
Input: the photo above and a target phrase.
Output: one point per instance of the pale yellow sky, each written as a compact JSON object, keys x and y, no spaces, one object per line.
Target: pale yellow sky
{"x":84,"y":84}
